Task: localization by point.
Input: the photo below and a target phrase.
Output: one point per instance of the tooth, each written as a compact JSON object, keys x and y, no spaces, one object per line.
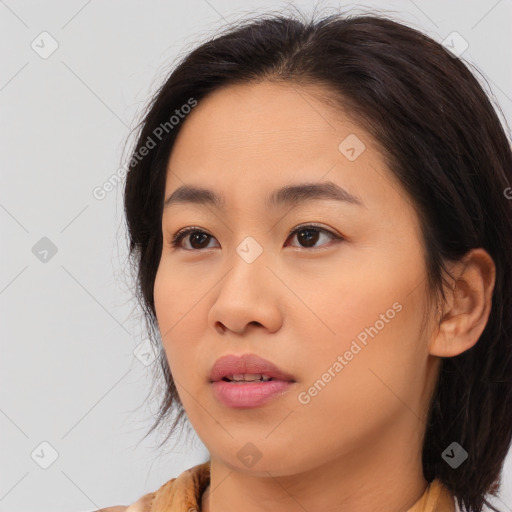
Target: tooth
{"x":246,"y":377}
{"x":252,"y":376}
{"x":249,"y":377}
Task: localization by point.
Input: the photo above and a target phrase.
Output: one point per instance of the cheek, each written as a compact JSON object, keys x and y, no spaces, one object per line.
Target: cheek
{"x":177,"y":300}
{"x":368,"y":338}
{"x":181,"y":320}
{"x":166,"y":304}
{"x":379,"y":301}
{"x":170,"y":313}
{"x":354,"y":390}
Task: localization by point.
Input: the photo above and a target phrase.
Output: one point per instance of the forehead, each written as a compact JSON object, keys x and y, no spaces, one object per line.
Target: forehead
{"x":263,"y":136}
{"x":264,"y":117}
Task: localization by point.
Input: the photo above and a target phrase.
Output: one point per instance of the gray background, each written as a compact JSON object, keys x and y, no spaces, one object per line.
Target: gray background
{"x":69,"y":326}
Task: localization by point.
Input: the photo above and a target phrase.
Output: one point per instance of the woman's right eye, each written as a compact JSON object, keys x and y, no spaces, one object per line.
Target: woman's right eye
{"x":197,"y":238}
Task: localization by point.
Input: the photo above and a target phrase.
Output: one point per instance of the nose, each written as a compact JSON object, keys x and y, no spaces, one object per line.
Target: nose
{"x":248,"y":297}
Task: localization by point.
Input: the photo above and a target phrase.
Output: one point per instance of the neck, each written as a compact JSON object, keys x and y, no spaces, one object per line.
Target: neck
{"x":386,"y":475}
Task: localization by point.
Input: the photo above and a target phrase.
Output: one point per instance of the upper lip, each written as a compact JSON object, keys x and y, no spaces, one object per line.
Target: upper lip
{"x":227,"y":366}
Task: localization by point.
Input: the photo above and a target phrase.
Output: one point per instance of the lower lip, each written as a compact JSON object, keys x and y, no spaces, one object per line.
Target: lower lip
{"x":248,"y":394}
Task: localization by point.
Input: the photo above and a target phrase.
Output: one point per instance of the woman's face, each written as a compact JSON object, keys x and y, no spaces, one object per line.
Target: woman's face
{"x":339,"y":306}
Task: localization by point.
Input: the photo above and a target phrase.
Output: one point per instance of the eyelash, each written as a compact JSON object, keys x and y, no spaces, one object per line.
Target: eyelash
{"x":178,"y":237}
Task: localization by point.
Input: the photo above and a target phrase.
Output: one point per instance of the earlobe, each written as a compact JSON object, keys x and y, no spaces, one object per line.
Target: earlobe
{"x":468,"y":304}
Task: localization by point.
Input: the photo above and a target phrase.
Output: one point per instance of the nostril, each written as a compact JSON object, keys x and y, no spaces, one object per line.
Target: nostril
{"x":220,"y":328}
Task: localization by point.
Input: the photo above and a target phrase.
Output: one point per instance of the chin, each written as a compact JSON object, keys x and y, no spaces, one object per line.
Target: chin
{"x":276,"y":464}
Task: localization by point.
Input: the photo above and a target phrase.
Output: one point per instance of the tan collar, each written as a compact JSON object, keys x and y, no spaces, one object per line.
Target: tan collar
{"x":436,"y":498}
{"x":183,"y":494}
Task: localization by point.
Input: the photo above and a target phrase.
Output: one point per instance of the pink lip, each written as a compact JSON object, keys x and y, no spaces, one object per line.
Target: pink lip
{"x":247,"y":394}
{"x":246,"y":363}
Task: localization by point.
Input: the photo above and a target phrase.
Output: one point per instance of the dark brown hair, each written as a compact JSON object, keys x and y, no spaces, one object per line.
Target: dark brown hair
{"x":440,"y":136}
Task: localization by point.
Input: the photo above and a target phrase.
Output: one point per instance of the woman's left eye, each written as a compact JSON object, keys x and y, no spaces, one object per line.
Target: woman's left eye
{"x":310,"y":234}
{"x":307,"y":234}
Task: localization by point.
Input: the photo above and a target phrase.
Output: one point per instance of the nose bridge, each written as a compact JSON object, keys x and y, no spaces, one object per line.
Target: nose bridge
{"x":245,"y":294}
{"x":248,"y":264}
{"x":250,"y":250}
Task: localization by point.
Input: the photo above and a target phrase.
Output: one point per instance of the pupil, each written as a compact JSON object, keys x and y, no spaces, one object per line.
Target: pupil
{"x":194,"y":237}
{"x":309,"y":239}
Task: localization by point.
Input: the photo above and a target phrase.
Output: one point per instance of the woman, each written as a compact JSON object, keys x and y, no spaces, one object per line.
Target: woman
{"x":320,"y":222}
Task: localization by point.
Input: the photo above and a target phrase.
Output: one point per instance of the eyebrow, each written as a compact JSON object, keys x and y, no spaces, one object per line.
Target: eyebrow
{"x":288,"y":195}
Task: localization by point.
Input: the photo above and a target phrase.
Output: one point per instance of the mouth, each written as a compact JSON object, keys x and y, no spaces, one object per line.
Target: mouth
{"x":247,"y":368}
{"x":248,"y":381}
{"x":247,"y":377}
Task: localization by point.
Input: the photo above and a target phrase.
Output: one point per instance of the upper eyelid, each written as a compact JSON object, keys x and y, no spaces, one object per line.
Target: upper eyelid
{"x":189,"y":229}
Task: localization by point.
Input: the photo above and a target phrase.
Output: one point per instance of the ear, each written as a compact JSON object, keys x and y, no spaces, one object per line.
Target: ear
{"x":468,"y":304}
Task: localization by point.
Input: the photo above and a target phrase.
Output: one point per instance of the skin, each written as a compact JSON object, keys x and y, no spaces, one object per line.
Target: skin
{"x":356,"y":446}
